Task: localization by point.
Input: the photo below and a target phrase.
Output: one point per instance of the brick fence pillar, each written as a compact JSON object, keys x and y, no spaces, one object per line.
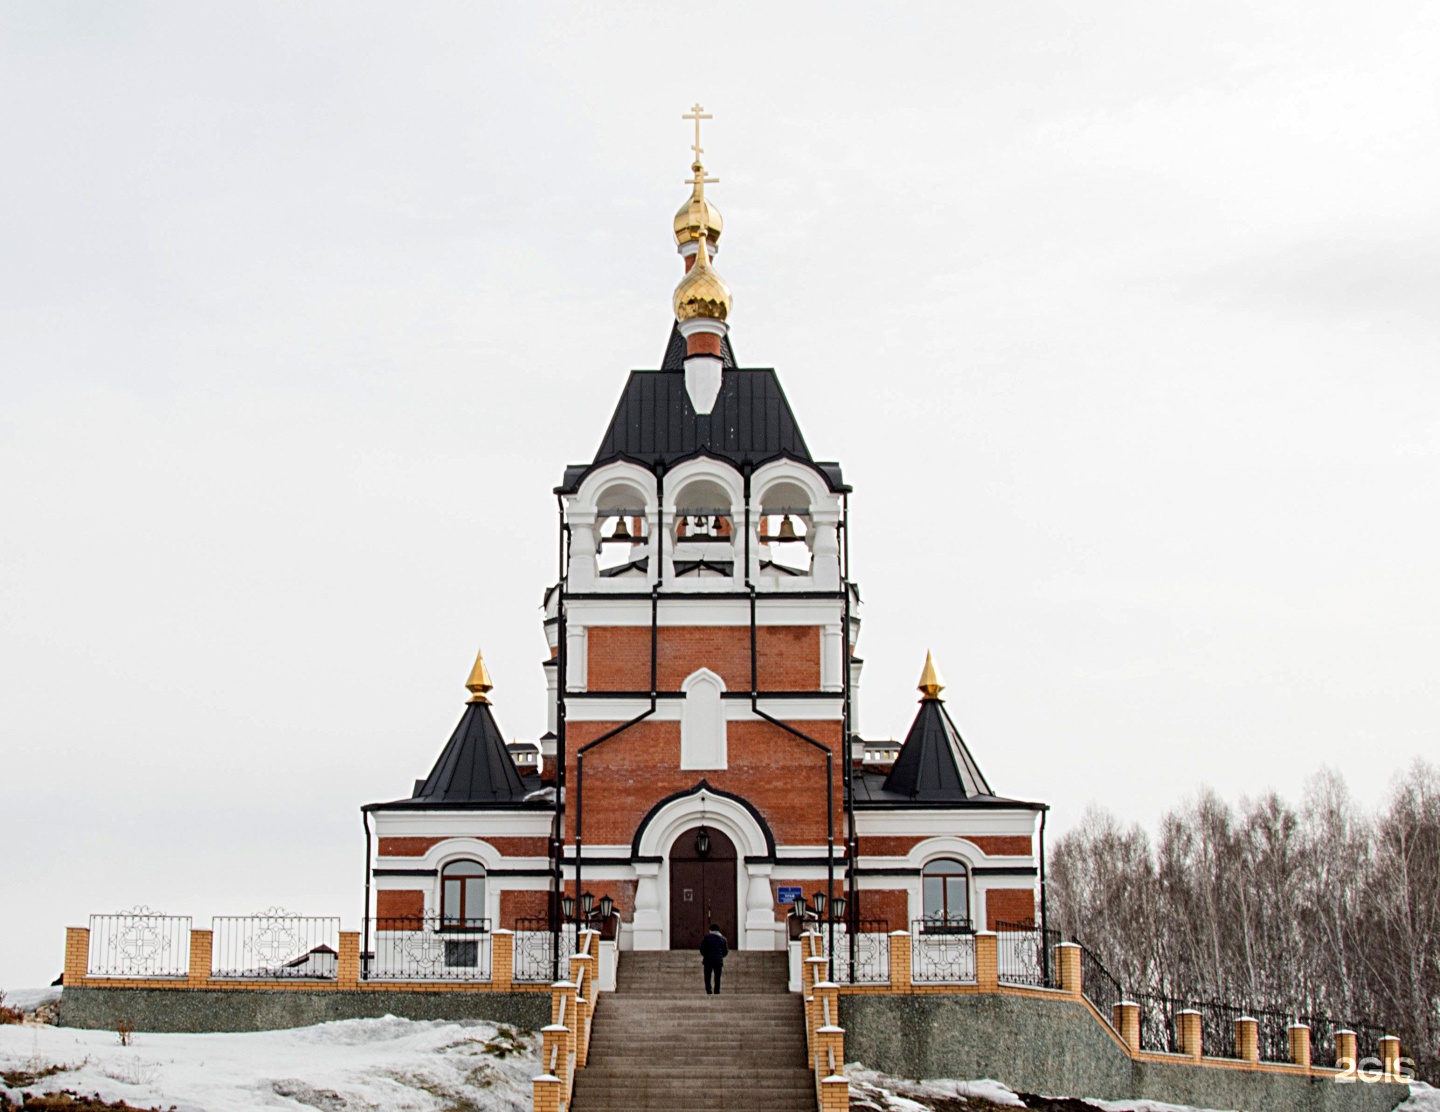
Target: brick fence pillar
{"x":1299,"y":1043}
{"x":1067,"y":967}
{"x":202,"y":948}
{"x":987,"y":961}
{"x":1187,"y":1031}
{"x":1126,"y":1017}
{"x":502,"y":960}
{"x":1346,"y":1057}
{"x":77,"y":954}
{"x":347,"y":965}
{"x":1390,"y":1057}
{"x":900,"y":959}
{"x":1247,"y":1039}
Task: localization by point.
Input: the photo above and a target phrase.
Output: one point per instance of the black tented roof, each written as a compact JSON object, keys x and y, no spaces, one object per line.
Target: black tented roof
{"x":933,"y":763}
{"x":654,"y":422}
{"x":475,"y":768}
{"x":934,"y":768}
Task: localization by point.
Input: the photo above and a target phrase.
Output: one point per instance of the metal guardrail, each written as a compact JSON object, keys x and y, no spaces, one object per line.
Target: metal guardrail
{"x":139,"y":943}
{"x":941,"y":953}
{"x":427,"y":948}
{"x":1026,"y":954}
{"x":535,"y":960}
{"x":275,"y":945}
{"x":1099,"y":986}
{"x":871,"y":964}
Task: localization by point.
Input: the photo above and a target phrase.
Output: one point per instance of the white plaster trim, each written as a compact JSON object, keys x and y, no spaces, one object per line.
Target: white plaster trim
{"x":703,"y":741}
{"x":959,"y":821}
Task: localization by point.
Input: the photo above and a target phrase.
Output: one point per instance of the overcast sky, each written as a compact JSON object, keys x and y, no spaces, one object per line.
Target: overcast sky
{"x":1121,"y":317}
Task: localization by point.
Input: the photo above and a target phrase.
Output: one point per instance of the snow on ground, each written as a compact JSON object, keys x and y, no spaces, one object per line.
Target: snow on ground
{"x":871,"y":1089}
{"x":350,"y":1064}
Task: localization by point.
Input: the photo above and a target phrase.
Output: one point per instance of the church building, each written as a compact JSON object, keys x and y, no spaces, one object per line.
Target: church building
{"x":701,"y":762}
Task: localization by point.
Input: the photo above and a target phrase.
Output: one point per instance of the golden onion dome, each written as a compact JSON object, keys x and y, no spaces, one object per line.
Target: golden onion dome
{"x":702,"y":292}
{"x":697,"y":213}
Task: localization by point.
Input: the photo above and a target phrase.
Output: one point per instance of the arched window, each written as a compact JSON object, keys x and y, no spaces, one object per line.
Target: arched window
{"x":462,"y":894}
{"x":945,"y":890}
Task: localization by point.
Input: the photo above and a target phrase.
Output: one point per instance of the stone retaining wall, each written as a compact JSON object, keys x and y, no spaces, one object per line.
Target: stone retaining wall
{"x":1055,"y":1046}
{"x":198,"y":1010}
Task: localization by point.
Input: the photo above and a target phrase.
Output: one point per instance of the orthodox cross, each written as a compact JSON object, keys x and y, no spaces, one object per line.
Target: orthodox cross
{"x":698,"y":113}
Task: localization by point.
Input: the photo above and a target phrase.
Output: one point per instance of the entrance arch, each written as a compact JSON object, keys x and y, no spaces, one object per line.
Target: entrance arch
{"x":703,"y":881}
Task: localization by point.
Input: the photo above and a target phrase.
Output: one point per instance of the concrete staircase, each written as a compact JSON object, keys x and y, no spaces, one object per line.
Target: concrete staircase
{"x":658,"y":1042}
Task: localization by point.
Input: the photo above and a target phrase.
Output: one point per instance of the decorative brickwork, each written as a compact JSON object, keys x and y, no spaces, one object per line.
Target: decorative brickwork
{"x":787,"y":657}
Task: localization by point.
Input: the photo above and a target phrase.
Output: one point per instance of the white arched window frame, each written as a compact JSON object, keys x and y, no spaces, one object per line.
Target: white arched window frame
{"x":945,"y":896}
{"x":462,"y":893}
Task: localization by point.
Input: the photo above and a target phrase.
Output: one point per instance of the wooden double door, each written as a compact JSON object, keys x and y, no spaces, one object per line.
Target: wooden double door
{"x":702,"y":888}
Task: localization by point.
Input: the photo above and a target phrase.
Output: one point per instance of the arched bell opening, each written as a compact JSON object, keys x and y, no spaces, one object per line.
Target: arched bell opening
{"x":704,"y":887}
{"x":621,"y":531}
{"x":703,"y":531}
{"x":786,"y":530}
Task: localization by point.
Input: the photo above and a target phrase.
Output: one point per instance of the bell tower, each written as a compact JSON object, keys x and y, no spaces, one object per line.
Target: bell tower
{"x":702,"y":627}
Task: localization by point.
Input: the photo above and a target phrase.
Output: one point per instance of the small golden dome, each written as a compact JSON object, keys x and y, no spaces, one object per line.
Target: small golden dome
{"x":930,"y":684}
{"x":697,"y":213}
{"x":479,"y":681}
{"x":702,"y":292}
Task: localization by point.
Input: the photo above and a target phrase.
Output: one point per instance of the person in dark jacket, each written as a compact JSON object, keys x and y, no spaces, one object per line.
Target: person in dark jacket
{"x":712,"y":951}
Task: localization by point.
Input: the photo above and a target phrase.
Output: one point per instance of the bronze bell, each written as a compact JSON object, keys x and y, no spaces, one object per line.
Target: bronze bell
{"x":787,"y":530}
{"x":622,"y":531}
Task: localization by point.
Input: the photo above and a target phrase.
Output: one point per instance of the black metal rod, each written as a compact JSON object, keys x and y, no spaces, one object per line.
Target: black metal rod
{"x":1044,"y":920}
{"x":829,"y":778}
{"x":562,"y":659}
{"x":580,"y":753}
{"x":364,"y":965}
{"x":659,"y":542}
{"x":846,"y":731}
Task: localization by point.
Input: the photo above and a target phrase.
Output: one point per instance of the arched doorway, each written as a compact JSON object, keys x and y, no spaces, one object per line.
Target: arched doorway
{"x":702,"y":887}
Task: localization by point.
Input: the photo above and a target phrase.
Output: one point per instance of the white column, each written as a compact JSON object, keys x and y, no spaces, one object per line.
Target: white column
{"x":832,"y":648}
{"x":825,"y":552}
{"x":649,"y":932}
{"x":761,"y":931}
{"x":582,"y":549}
{"x":576,"y":662}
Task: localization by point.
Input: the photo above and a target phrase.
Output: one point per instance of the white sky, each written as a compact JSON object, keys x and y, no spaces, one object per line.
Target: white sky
{"x":1121,"y":318}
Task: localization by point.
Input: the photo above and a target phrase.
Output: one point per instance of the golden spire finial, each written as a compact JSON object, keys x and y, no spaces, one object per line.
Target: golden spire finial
{"x":930,"y":682}
{"x":479,"y":681}
{"x":697,"y":217}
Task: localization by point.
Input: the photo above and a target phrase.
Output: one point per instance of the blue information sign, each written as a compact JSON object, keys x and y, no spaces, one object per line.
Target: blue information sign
{"x":788,"y":895}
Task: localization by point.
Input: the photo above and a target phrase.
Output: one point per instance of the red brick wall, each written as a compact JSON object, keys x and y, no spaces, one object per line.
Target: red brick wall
{"x":779,"y":774}
{"x":787,"y":657}
{"x":890,"y":904}
{"x":405,"y":904}
{"x":509,"y":847}
{"x":1013,"y":844}
{"x":1013,"y":905}
{"x":522,"y":905}
{"x":900,"y":844}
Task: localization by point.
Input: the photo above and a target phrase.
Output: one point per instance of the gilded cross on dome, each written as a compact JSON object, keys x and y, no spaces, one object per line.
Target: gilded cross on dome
{"x":697,"y":113}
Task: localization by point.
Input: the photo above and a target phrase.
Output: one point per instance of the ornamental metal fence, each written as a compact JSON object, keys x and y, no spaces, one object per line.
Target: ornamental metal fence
{"x":536,"y":960}
{"x":942,"y":952}
{"x":139,"y":943}
{"x":1025,"y":954}
{"x":428,"y":948}
{"x":1159,"y":1029}
{"x":870,"y":964}
{"x":275,"y":945}
{"x":1098,"y":985}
